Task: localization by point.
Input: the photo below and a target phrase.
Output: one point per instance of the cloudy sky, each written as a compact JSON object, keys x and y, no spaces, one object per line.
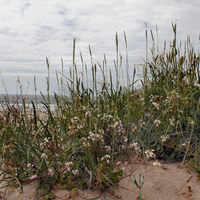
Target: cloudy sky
{"x":31,"y":30}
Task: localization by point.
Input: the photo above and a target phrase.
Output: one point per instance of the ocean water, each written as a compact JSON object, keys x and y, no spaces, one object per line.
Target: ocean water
{"x":15,"y":99}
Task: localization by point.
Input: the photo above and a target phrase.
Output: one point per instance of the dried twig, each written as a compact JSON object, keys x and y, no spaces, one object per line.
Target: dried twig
{"x":185,"y":183}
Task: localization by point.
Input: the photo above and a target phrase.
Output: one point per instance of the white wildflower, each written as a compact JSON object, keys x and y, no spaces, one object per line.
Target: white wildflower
{"x":148,"y":114}
{"x":124,"y":169}
{"x":157,"y":105}
{"x":87,"y":113}
{"x":184,"y":144}
{"x":192,"y":122}
{"x":172,"y":120}
{"x":68,"y":165}
{"x":125,"y":138}
{"x":156,"y":163}
{"x":106,"y":158}
{"x":46,"y":140}
{"x":75,"y":172}
{"x":33,"y":177}
{"x":50,"y":172}
{"x":134,"y":144}
{"x":164,"y":138}
{"x":44,"y":156}
{"x":134,"y":128}
{"x":108,"y":148}
{"x":115,"y":124}
{"x":118,"y":163}
{"x":157,"y":122}
{"x":28,"y":165}
{"x":150,"y":154}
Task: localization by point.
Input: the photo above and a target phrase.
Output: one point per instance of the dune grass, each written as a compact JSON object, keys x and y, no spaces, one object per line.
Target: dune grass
{"x":97,"y":127}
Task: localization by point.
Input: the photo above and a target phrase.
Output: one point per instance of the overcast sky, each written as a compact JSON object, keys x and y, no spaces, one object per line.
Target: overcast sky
{"x":31,"y":30}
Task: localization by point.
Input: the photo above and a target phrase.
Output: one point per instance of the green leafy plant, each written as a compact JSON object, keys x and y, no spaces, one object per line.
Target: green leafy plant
{"x":138,"y":183}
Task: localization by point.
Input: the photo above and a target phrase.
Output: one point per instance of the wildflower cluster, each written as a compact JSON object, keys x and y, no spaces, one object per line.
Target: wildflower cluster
{"x":113,"y":126}
{"x":50,"y":172}
{"x":85,"y":142}
{"x":172,"y":120}
{"x":45,"y":142}
{"x":134,"y":127}
{"x":136,"y":147}
{"x":153,"y":100}
{"x":157,"y":122}
{"x":97,"y":136}
{"x":149,"y":154}
{"x":164,"y":138}
{"x":156,"y":163}
{"x":76,"y":125}
{"x":157,"y":105}
{"x":68,"y":166}
{"x":108,"y":148}
{"x":141,"y":123}
{"x":106,"y":158}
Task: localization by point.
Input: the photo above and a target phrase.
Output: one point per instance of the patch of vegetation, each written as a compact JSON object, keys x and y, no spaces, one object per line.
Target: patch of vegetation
{"x":84,"y":141}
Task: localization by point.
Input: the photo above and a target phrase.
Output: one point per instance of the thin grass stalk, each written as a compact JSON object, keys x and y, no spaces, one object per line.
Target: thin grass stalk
{"x":74,"y":55}
{"x":72,"y":76}
{"x":153,"y":46}
{"x":105,"y":62}
{"x":35,"y":89}
{"x":106,"y":78}
{"x":111,"y":86}
{"x":62,"y":86}
{"x":120,"y":67}
{"x":58,"y":82}
{"x":35,"y":116}
{"x":127,"y":62}
{"x":48,"y":81}
{"x":117,"y":63}
{"x":89,"y":185}
{"x":77,"y":90}
{"x":82,"y":62}
{"x":157,"y":39}
{"x":93,"y":83}
{"x":86,"y":74}
{"x":145,"y":66}
{"x":95,"y":74}
{"x":133,"y":79}
{"x":23,"y":103}
{"x":174,"y":55}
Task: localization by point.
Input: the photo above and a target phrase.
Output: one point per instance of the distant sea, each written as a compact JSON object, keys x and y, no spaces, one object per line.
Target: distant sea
{"x":17,"y":99}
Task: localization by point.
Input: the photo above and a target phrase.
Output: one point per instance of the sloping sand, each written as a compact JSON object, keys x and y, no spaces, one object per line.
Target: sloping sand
{"x":168,"y":182}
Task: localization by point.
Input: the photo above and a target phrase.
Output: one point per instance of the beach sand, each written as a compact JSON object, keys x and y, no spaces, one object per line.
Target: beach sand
{"x":166,"y":182}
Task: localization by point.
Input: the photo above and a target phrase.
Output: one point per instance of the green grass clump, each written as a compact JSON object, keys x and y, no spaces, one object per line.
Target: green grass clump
{"x":98,"y":125}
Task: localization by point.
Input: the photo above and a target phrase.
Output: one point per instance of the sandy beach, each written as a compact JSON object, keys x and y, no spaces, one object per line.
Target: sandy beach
{"x":160,"y":183}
